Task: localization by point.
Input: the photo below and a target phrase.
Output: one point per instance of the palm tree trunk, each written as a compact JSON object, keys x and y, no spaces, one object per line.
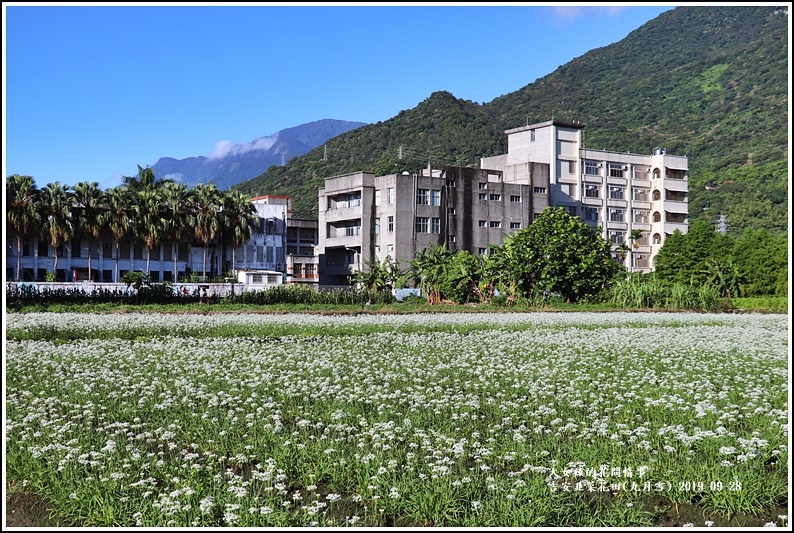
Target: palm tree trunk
{"x":204,"y":267}
{"x":89,"y":260}
{"x":148,"y":255}
{"x":19,"y":257}
{"x":174,"y":252}
{"x":117,"y":262}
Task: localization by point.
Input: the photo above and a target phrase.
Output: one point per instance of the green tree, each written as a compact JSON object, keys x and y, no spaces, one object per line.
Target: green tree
{"x":683,"y":256}
{"x":145,"y":179}
{"x":88,"y":204}
{"x":560,"y":254}
{"x":428,"y":267}
{"x":179,"y":217}
{"x":55,"y":213}
{"x":21,"y":211}
{"x":117,"y":218}
{"x":148,"y":222}
{"x":463,"y":273}
{"x":239,"y":219}
{"x":206,"y":215}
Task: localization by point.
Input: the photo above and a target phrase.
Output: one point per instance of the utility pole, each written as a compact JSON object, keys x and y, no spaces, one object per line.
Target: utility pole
{"x":722,"y":224}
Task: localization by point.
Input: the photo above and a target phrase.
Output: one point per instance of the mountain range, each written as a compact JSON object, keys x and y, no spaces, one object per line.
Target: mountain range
{"x":234,"y":163}
{"x":708,"y":82}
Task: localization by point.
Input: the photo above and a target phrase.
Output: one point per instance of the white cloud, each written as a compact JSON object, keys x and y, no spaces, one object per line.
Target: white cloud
{"x":227,"y":148}
{"x":176,"y":176}
{"x":571,"y":13}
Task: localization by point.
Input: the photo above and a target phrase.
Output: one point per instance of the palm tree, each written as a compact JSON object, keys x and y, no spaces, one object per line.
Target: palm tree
{"x":117,"y":217}
{"x":149,"y":225}
{"x":145,"y":179}
{"x":87,"y":205}
{"x":239,"y":218}
{"x":21,"y":211}
{"x":178,"y":215}
{"x":635,"y":236}
{"x":55,"y":211}
{"x":206,"y":213}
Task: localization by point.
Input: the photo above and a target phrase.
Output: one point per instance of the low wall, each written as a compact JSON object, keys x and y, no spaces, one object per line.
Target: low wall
{"x":88,"y":287}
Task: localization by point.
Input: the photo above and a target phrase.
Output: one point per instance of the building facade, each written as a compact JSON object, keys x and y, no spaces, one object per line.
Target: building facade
{"x":271,"y":248}
{"x":366,"y":218}
{"x":618,"y":192}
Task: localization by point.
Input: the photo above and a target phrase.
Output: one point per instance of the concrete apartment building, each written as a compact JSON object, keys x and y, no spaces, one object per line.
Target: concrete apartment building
{"x":363,"y":217}
{"x":618,"y":192}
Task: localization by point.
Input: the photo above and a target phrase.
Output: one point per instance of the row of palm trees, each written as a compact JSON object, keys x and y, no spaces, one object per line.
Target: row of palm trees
{"x":143,"y":208}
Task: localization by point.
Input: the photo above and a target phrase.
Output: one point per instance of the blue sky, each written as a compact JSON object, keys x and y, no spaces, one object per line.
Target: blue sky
{"x":92,"y":91}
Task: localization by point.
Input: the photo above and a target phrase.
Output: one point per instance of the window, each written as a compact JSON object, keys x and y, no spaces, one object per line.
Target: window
{"x":451,"y":238}
{"x":496,"y":224}
{"x":483,"y":186}
{"x":591,"y":191}
{"x":390,"y":251}
{"x":350,"y":256}
{"x":422,"y":224}
{"x":435,"y":226}
{"x":640,"y":195}
{"x":539,"y":190}
{"x":377,"y":197}
{"x":451,"y":210}
{"x":390,"y":195}
{"x":640,"y":217}
{"x":675,"y":196}
{"x":450,"y":183}
{"x":44,"y":248}
{"x":308,"y":269}
{"x":657,"y":239}
{"x":616,"y":193}
{"x":352,"y":229}
{"x":591,"y":214}
{"x":346,"y":200}
{"x":256,"y":279}
{"x":532,"y":135}
{"x":657,"y":195}
{"x":435,"y":197}
{"x":515,"y":198}
{"x":616,"y":237}
{"x":591,"y":168}
{"x":535,"y":216}
{"x":616,"y":215}
{"x":572,"y":210}
{"x":496,"y":198}
{"x":678,"y":218}
{"x":483,"y":196}
{"x":76,"y":248}
{"x":390,"y":224}
{"x":482,"y":251}
{"x":422,"y":197}
{"x":615,"y":170}
{"x":571,"y":167}
{"x":515,"y":225}
{"x":377,"y":253}
{"x":482,"y":223}
{"x":657,"y":217}
{"x":377,"y":226}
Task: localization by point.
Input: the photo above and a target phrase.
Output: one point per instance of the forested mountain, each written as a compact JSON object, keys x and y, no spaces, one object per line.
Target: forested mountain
{"x":708,"y":82}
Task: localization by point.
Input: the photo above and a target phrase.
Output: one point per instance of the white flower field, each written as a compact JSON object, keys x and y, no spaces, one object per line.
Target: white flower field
{"x":465,"y":419}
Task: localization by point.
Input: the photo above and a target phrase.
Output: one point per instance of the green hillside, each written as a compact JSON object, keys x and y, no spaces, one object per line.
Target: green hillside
{"x":710,"y":83}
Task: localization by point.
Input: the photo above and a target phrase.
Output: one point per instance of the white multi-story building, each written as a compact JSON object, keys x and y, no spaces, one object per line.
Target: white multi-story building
{"x":616,"y":191}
